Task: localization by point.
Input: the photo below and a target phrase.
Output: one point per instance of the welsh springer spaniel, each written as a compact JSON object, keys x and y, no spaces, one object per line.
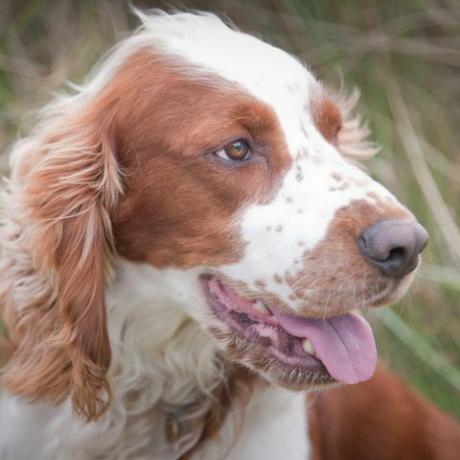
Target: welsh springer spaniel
{"x":184,"y":241}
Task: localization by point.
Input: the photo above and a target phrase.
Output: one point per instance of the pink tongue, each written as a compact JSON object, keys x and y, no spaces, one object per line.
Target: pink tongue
{"x":344,"y":344}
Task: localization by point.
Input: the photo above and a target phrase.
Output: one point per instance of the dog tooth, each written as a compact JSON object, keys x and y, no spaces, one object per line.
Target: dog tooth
{"x":259,"y":306}
{"x":308,"y":347}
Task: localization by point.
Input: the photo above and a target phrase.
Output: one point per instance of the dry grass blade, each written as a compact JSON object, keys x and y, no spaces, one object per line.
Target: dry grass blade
{"x":414,"y":151}
{"x":420,"y":347}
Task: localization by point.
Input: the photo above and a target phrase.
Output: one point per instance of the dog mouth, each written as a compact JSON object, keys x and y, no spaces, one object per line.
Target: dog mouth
{"x":334,"y":349}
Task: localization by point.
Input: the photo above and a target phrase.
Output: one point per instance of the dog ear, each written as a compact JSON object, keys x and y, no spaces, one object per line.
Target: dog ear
{"x":70,"y":191}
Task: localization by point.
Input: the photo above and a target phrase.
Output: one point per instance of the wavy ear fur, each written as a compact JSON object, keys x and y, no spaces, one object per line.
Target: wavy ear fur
{"x":66,"y":187}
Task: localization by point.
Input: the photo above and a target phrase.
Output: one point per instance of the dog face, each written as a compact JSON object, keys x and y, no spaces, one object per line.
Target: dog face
{"x":220,"y":162}
{"x":242,"y":183}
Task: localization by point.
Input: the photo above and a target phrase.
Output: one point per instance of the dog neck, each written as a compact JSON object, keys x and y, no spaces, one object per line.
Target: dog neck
{"x":152,"y":338}
{"x":165,"y":367}
{"x":168,"y":369}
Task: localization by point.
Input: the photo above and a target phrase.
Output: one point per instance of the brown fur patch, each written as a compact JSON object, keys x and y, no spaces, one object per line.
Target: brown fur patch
{"x":381,"y":419}
{"x":180,"y":200}
{"x":327,"y":118}
{"x":60,"y":335}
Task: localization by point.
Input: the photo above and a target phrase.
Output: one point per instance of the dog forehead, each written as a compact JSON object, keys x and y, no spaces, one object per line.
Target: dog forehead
{"x":264,"y":71}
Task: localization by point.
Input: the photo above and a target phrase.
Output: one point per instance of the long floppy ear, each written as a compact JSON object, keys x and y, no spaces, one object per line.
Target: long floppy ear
{"x":70,"y":190}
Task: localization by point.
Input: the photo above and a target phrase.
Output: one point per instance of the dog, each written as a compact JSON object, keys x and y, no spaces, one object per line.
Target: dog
{"x":186,"y":244}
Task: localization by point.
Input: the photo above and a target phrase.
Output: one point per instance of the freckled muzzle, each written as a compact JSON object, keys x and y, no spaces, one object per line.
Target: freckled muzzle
{"x":364,"y":259}
{"x":302,"y":329}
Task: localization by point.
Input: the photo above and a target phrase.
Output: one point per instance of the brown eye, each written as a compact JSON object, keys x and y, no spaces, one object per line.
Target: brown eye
{"x":238,"y":150}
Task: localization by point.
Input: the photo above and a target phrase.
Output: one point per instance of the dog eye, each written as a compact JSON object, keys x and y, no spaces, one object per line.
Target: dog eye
{"x":238,"y":150}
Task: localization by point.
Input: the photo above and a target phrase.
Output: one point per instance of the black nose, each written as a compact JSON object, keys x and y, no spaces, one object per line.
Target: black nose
{"x":393,"y":246}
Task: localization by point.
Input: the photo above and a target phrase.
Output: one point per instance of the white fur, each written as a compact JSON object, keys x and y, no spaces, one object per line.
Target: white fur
{"x":274,"y":427}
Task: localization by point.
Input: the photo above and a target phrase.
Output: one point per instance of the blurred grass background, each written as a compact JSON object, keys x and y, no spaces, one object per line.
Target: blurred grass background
{"x":404,"y":56}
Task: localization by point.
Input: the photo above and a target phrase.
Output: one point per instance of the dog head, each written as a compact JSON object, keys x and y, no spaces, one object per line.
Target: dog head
{"x":220,"y":162}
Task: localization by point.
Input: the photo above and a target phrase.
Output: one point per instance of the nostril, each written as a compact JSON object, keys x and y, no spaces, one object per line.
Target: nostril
{"x":394,"y":264}
{"x":396,"y":254}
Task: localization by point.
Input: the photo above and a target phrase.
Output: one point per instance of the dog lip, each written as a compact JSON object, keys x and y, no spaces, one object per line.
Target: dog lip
{"x":250,"y":306}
